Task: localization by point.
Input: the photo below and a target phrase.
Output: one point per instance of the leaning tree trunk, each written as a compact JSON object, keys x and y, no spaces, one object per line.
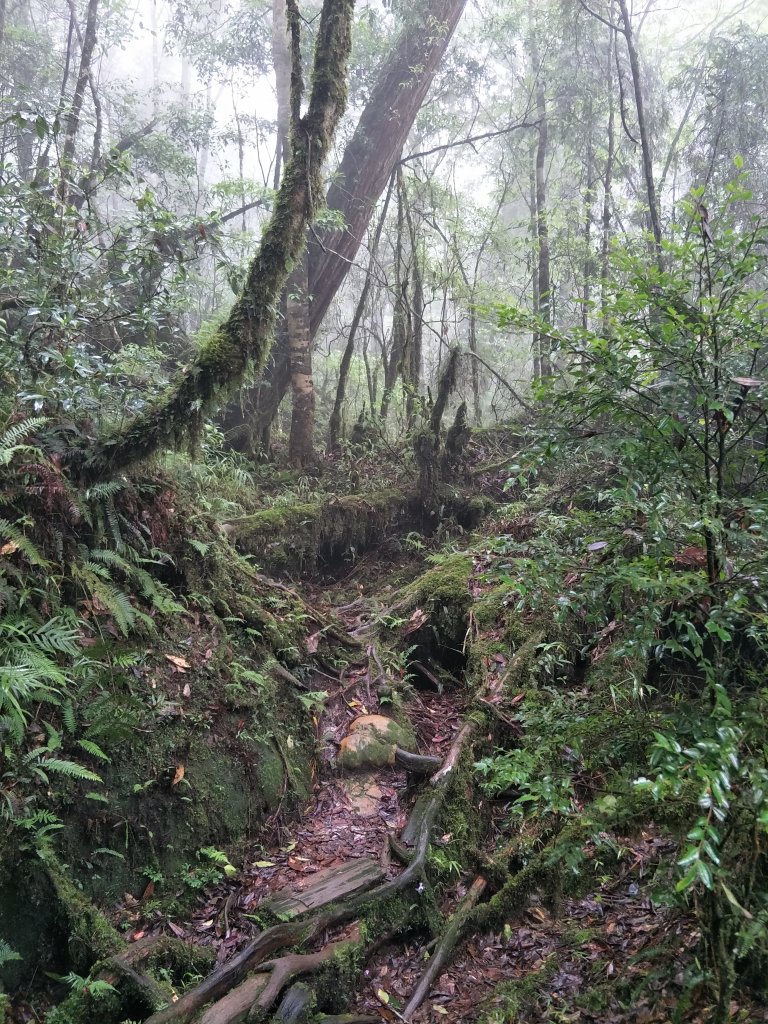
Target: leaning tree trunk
{"x":368,"y":161}
{"x":378,"y":140}
{"x":245,"y":336}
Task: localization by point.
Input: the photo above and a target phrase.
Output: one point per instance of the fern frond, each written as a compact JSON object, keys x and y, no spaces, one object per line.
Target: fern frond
{"x":69,"y":768}
{"x":7,"y":954}
{"x":13,"y":535}
{"x":11,"y":439}
{"x":93,"y":749}
{"x":68,"y":716}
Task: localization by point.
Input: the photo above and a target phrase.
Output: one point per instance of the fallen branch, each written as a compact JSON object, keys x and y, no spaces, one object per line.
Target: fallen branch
{"x":453,"y":933}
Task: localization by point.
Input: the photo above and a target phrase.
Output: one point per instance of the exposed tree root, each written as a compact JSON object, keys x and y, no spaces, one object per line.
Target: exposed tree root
{"x":231,"y":973}
{"x":228,"y":988}
{"x":416,"y":764}
{"x":453,"y":933}
{"x":348,"y":1018}
{"x":253,"y":997}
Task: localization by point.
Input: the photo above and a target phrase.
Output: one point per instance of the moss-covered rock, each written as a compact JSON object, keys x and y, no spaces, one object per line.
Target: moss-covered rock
{"x":371,"y":742}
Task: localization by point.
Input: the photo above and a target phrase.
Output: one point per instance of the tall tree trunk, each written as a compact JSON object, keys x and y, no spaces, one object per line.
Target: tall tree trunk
{"x":544,"y":286}
{"x":605,"y":244}
{"x":400,"y":316}
{"x":588,"y":267}
{"x":415,"y":318}
{"x":287,"y":61}
{"x":334,"y":425}
{"x":300,"y":446}
{"x":642,"y":126}
{"x":379,"y":138}
{"x":370,"y":156}
{"x":534,"y":262}
{"x":75,"y":111}
{"x":245,"y":337}
{"x":416,"y":343}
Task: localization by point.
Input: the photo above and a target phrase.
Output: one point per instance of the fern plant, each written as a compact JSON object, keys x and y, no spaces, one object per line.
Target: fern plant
{"x":29,"y":671}
{"x":7,"y":954}
{"x":11,"y":440}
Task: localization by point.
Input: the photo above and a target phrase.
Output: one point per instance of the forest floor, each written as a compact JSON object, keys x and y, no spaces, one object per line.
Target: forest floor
{"x":561,"y":919}
{"x":612,"y":954}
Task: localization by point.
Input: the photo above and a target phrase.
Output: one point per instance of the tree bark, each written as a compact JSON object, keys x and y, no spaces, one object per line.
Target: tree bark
{"x":378,"y":140}
{"x":400,"y":317}
{"x":605,"y":245}
{"x":245,"y":337}
{"x":642,"y":126}
{"x":73,"y":118}
{"x":543,"y":290}
{"x":286,"y":56}
{"x":369,"y":158}
{"x":334,"y":425}
{"x":300,"y":445}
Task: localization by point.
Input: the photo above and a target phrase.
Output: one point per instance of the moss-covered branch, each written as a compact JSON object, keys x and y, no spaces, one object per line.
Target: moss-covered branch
{"x":245,"y":337}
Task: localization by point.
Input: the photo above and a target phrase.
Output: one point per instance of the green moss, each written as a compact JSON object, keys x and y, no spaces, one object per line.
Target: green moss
{"x":82,"y":1008}
{"x":513,"y":998}
{"x":28,"y":914}
{"x":338,"y":979}
{"x":303,"y":535}
{"x":271,"y":775}
{"x":91,"y":936}
{"x":445,"y":583}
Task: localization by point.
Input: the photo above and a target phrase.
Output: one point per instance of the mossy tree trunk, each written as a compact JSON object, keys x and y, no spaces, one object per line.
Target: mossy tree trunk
{"x":246,"y":335}
{"x":285,"y":39}
{"x":300,"y":448}
{"x":368,"y":161}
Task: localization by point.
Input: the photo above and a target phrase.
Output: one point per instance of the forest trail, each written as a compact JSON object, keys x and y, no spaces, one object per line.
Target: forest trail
{"x":555,"y":957}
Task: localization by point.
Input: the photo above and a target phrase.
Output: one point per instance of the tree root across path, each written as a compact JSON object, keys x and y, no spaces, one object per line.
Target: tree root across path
{"x":346,"y":914}
{"x":247,"y":987}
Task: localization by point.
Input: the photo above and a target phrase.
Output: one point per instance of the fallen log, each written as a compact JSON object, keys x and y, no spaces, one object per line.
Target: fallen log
{"x":331,"y":885}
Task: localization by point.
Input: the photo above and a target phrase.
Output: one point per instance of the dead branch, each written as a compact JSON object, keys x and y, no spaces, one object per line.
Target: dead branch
{"x":451,"y":936}
{"x":441,"y":776}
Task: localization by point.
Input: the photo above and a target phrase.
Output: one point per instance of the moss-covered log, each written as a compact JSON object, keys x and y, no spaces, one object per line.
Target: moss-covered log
{"x":304,"y":535}
{"x":245,"y":336}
